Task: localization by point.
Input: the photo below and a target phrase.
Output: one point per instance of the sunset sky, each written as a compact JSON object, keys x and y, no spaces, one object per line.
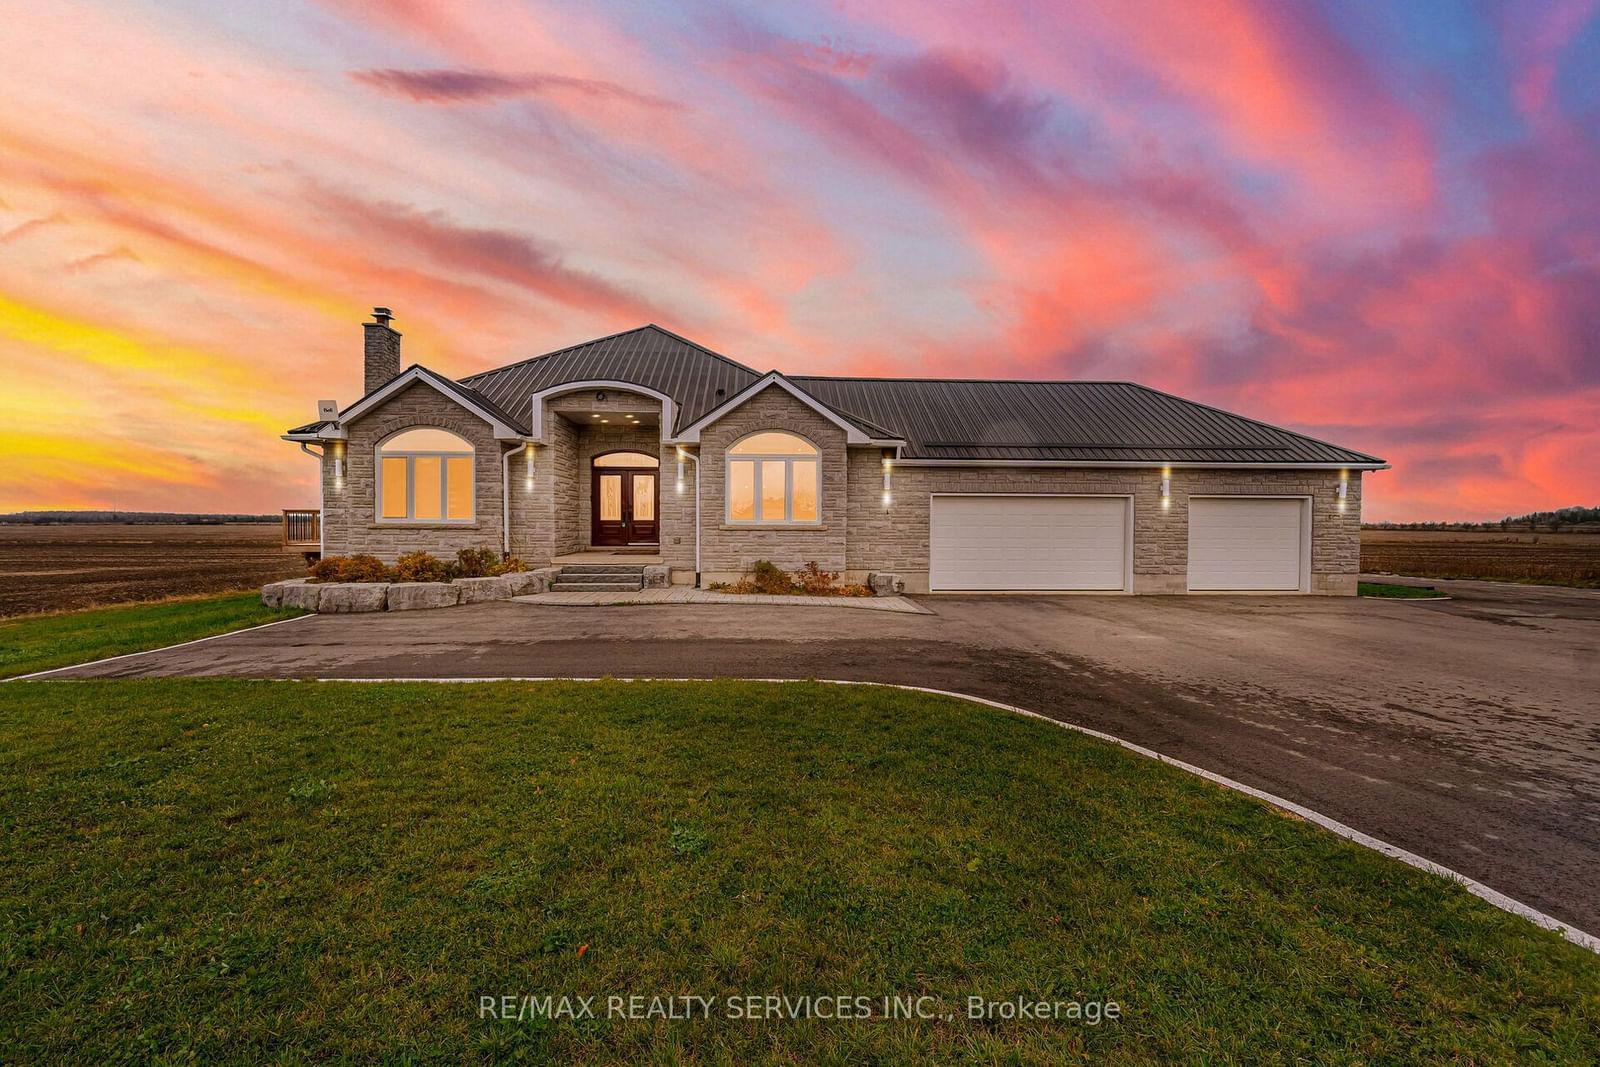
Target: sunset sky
{"x":1377,"y":223}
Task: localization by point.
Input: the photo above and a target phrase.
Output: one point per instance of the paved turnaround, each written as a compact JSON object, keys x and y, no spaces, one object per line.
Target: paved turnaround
{"x":1465,"y":730}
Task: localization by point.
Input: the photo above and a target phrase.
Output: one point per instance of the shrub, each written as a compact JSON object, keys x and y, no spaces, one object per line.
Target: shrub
{"x":477,"y":562}
{"x":362,"y":568}
{"x":812,"y":580}
{"x":509,"y":565}
{"x":423,"y":567}
{"x":853,"y":589}
{"x":768,"y":577}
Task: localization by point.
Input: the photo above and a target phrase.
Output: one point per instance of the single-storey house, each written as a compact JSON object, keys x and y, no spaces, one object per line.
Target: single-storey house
{"x":645,"y":442}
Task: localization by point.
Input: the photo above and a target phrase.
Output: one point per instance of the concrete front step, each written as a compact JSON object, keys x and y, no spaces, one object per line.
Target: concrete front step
{"x":629,"y":569}
{"x":600,"y":576}
{"x":563,"y":585}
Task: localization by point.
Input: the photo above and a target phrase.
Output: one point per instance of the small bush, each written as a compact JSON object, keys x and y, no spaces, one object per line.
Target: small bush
{"x":509,"y":565}
{"x":423,"y":567}
{"x":812,"y":580}
{"x":768,"y":577}
{"x":477,"y":562}
{"x":362,"y":568}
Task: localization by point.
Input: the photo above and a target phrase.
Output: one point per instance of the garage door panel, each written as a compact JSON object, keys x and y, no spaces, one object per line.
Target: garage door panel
{"x":1246,"y":544}
{"x":1027,"y":542}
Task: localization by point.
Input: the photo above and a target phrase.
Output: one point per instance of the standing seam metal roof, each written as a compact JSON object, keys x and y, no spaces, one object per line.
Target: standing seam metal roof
{"x":951,"y":419}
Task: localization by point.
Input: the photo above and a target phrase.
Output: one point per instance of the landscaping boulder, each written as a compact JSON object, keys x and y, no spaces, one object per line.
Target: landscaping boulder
{"x":658,"y":576}
{"x":307,"y":596}
{"x":272,"y":593}
{"x":474,"y":590}
{"x":522,"y":583}
{"x":886,"y":584}
{"x":412,"y":596}
{"x":340,"y":598}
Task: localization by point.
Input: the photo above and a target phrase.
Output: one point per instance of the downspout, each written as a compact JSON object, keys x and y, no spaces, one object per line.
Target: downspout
{"x":683,"y":454}
{"x":505,"y":497}
{"x":322,"y":499}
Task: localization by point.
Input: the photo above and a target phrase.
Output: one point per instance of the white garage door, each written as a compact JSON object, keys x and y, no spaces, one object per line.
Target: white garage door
{"x":1028,"y":542}
{"x":1245,"y":544}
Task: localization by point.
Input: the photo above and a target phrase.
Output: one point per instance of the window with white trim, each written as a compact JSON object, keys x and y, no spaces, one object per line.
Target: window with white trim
{"x":774,"y":478}
{"x":425,"y":475}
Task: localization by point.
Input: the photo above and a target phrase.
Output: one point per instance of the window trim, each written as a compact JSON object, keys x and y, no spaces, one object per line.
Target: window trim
{"x":411,"y":457}
{"x":759,"y":459}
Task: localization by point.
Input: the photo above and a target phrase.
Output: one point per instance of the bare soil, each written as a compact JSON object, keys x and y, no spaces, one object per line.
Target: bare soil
{"x":54,"y":568}
{"x":1571,"y":559}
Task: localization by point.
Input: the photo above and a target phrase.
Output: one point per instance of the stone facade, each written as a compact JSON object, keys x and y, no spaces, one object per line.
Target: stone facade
{"x":727,"y":551}
{"x":351,"y":526}
{"x":895,"y":537}
{"x":858,"y":534}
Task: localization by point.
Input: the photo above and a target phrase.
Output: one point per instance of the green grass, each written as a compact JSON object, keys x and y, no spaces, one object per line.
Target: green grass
{"x":40,"y":642}
{"x":1397,"y":592}
{"x":258,"y":871}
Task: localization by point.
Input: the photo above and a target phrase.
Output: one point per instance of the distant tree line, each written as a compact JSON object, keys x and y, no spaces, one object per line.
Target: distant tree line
{"x":1553,"y":521}
{"x":47,"y":518}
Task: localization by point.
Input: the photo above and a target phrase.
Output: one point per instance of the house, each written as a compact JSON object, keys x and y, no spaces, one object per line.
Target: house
{"x":646,"y":443}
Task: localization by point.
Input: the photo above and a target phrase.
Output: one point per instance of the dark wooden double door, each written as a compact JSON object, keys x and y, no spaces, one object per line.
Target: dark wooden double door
{"x":625,"y":506}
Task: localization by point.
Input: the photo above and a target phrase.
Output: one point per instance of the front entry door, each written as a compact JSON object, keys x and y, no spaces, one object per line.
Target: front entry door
{"x":623,"y":502}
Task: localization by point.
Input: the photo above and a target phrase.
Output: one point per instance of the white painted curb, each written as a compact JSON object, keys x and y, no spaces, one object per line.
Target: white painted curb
{"x":1350,"y":833}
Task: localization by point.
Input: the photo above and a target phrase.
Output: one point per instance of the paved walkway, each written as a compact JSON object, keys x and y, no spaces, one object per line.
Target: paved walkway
{"x":683,"y":594}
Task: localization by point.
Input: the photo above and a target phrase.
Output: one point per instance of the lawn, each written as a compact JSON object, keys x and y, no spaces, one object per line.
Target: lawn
{"x":278,"y":871}
{"x":40,"y":642}
{"x":1391,"y":591}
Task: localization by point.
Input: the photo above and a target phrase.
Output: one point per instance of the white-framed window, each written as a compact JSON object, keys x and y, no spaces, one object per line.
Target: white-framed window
{"x":425,"y":475}
{"x":774,"y":477}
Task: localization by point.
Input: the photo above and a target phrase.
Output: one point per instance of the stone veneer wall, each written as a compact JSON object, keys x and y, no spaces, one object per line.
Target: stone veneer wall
{"x":857,"y":533}
{"x":728,"y":551}
{"x":896,"y":538}
{"x":350,"y":524}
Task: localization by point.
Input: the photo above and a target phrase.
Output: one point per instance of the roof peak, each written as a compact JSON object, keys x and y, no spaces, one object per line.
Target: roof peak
{"x":611,"y":337}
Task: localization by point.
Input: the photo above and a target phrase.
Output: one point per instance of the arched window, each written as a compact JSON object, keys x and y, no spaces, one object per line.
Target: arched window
{"x":773,"y":478}
{"x":425,"y":475}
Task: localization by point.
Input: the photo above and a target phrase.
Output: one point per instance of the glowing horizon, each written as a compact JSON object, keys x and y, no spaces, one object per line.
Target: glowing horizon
{"x":1377,"y":227}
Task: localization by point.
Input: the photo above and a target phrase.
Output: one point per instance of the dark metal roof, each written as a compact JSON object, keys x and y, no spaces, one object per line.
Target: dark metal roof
{"x":1079,"y":421}
{"x":949,"y":419}
{"x":696,"y":378}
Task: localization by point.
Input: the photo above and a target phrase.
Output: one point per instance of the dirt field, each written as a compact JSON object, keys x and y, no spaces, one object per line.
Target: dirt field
{"x":48,"y":568}
{"x":1514,"y":556}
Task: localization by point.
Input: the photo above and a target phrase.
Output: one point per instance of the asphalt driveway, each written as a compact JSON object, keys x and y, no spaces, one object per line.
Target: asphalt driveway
{"x":1466,"y":730}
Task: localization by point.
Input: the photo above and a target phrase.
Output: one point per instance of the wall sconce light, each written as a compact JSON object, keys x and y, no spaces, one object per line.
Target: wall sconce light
{"x":1166,"y":489}
{"x":680,"y":471}
{"x":888,"y":477}
{"x":338,"y":464}
{"x":1342,"y":490}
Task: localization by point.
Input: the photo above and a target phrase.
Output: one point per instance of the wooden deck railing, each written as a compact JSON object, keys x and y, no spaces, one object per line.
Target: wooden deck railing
{"x":302,"y":529}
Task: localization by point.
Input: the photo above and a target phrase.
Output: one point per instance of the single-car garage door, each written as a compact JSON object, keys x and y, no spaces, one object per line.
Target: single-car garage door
{"x":1028,"y":543}
{"x":1246,"y":544}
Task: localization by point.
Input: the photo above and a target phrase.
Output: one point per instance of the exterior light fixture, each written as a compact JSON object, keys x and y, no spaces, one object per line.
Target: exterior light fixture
{"x":1166,"y":488}
{"x":1342,"y":490}
{"x":888,"y":468}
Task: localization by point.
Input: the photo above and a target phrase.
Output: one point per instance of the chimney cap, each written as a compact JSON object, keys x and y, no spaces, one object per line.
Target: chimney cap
{"x":382,"y":315}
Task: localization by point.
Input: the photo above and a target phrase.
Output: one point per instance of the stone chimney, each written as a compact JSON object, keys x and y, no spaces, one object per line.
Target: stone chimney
{"x":382,"y":349}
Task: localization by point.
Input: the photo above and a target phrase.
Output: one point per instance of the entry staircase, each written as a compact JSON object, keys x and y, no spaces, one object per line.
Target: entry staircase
{"x":599,"y":578}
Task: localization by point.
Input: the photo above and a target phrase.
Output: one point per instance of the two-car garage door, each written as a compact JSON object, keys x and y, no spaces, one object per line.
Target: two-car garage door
{"x":1046,"y":543}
